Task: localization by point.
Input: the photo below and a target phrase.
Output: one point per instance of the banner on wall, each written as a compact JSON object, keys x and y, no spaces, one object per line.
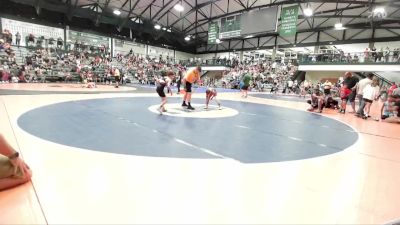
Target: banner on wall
{"x":121,"y":44}
{"x":124,"y":47}
{"x":213,"y":32}
{"x":289,"y":17}
{"x":87,"y":38}
{"x":157,"y":51}
{"x":25,"y":29}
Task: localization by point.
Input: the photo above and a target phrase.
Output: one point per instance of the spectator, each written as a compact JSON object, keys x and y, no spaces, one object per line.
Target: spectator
{"x":350,"y":82}
{"x":396,"y":92}
{"x":392,"y":88}
{"x":344,"y":95}
{"x":360,"y":90}
{"x":370,"y":94}
{"x":59,"y":42}
{"x":327,"y":88}
{"x":317,"y":101}
{"x":386,"y":54}
{"x":245,"y":84}
{"x":18,"y":39}
{"x":31,"y":39}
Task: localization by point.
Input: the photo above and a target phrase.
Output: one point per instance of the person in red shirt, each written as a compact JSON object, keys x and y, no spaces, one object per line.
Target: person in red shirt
{"x":349,"y":83}
{"x":344,"y":95}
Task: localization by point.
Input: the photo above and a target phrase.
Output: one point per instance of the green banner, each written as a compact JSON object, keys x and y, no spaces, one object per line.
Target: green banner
{"x":289,"y":21}
{"x":213,"y":32}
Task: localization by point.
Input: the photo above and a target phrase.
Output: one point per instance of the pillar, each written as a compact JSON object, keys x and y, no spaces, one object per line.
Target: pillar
{"x":273,"y":53}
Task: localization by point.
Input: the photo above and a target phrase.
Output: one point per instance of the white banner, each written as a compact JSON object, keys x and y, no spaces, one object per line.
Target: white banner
{"x":157,"y":51}
{"x":124,"y":47}
{"x":25,"y":29}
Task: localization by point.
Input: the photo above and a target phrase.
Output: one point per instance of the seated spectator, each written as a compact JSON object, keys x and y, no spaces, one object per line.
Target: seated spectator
{"x":327,"y":88}
{"x":386,"y":110}
{"x":5,"y":76}
{"x":21,"y":77}
{"x":316,"y":102}
{"x":331,"y":103}
{"x":59,"y":42}
{"x":13,"y":170}
{"x":396,"y":91}
{"x":390,"y":111}
{"x":392,"y":87}
{"x":1,"y":44}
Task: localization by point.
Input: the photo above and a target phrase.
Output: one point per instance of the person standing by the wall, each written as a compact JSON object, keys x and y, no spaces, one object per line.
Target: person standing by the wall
{"x":18,"y":39}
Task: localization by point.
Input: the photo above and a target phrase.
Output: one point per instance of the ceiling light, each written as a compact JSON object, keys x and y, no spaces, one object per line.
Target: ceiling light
{"x":164,"y":28}
{"x":379,"y":13}
{"x":117,"y":12}
{"x":187,"y":38}
{"x":249,"y":36}
{"x":157,"y":27}
{"x":136,"y":20}
{"x":218,"y":41}
{"x":379,"y":10}
{"x":179,"y":7}
{"x":338,"y":26}
{"x":169,"y":30}
{"x":308,"y":12}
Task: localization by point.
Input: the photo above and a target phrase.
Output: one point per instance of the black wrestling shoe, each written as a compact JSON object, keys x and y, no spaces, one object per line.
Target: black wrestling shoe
{"x":190,"y":107}
{"x":184,"y":104}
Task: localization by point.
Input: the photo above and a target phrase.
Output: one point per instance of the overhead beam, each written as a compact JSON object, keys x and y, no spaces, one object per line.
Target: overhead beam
{"x":311,"y":44}
{"x":152,"y":2}
{"x":123,"y":5}
{"x":128,"y":16}
{"x":71,"y":9}
{"x":363,"y":26}
{"x":199,"y":11}
{"x":98,"y":18}
{"x":216,"y":5}
{"x":241,"y":3}
{"x":166,"y":12}
{"x":162,"y":8}
{"x":199,"y":6}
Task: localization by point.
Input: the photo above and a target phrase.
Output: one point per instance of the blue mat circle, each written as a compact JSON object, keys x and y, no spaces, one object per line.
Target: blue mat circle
{"x":258,"y":134}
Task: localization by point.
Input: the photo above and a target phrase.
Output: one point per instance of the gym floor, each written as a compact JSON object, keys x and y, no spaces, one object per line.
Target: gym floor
{"x":105,"y":156}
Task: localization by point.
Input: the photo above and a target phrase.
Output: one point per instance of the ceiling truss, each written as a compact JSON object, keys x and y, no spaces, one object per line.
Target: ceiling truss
{"x":198,"y":13}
